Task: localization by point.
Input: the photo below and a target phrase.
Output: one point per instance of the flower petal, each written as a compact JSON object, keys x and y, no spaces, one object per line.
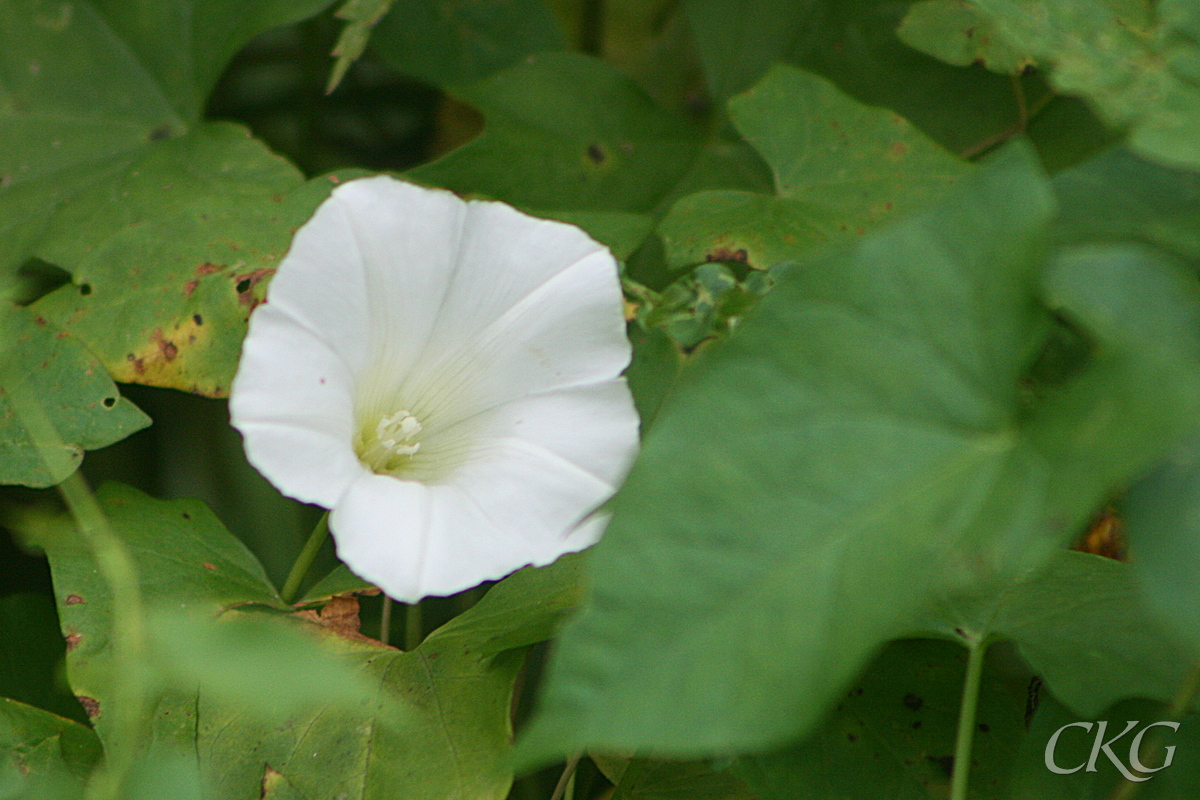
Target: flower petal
{"x":292,"y":401}
{"x":531,"y":494}
{"x":369,"y":271}
{"x":594,"y":427}
{"x":567,"y":332}
{"x":414,"y":540}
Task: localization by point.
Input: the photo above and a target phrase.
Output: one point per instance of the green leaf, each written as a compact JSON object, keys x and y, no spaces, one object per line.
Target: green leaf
{"x":90,"y":87}
{"x":462,"y":41}
{"x":567,"y":132}
{"x":262,"y":704}
{"x":1082,"y":625}
{"x":840,"y":168}
{"x":185,"y":558}
{"x":1031,"y":778}
{"x":523,"y":609}
{"x":1162,"y":515}
{"x":73,"y":388}
{"x":340,"y":581}
{"x":167,"y":271}
{"x":620,"y":232}
{"x":673,"y":780}
{"x":1119,"y":196}
{"x":360,"y":16}
{"x":450,"y":735}
{"x":1138,"y":73}
{"x":653,"y":373}
{"x":955,"y":32}
{"x":892,"y":735}
{"x":866,"y":450}
{"x":852,"y":43}
{"x":44,"y":756}
{"x":264,"y":665}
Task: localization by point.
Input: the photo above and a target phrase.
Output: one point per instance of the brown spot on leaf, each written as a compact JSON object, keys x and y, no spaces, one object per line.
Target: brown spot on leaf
{"x":38,"y":319}
{"x":339,"y":616}
{"x":90,"y":705}
{"x":209,"y":566}
{"x":1105,"y":536}
{"x":73,"y":640}
{"x":207,"y":269}
{"x":898,"y":149}
{"x":190,"y":286}
{"x":74,"y":600}
{"x":334,"y":179}
{"x":728,"y":254}
{"x":246,"y":283}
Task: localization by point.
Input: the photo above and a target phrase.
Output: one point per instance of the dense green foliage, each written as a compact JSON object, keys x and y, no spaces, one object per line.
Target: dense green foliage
{"x":912,"y":288}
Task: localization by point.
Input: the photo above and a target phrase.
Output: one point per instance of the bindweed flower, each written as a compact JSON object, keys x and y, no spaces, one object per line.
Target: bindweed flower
{"x":446,"y":377}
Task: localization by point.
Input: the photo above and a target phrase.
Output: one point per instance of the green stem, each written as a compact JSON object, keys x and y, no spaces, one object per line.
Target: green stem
{"x":385,"y":620}
{"x":412,"y":626}
{"x":966,"y":722}
{"x":125,"y":708}
{"x":291,"y":587}
{"x":567,"y":774}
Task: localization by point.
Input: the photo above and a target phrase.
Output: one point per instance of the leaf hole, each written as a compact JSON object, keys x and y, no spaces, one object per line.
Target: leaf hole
{"x":243,"y":286}
{"x":85,"y":289}
{"x":109,"y":402}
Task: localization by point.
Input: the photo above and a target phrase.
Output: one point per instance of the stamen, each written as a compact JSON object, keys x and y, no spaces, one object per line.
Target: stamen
{"x":392,"y":445}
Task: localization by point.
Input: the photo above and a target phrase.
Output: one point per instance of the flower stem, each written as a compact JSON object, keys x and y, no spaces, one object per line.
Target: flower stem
{"x":291,"y":587}
{"x":567,"y":774}
{"x":385,"y":620}
{"x":412,"y":626}
{"x":966,"y":722}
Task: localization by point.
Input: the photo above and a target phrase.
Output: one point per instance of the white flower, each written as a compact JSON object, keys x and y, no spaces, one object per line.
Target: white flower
{"x":444,"y":375}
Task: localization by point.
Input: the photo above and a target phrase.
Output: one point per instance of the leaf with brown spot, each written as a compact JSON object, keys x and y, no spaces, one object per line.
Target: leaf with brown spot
{"x":196,"y":235}
{"x":115,"y":87}
{"x":54,"y":756}
{"x":840,"y":168}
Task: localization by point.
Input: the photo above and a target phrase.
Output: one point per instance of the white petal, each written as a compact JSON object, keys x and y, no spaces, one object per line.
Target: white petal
{"x":414,"y":540}
{"x":594,"y":427}
{"x":369,"y":272}
{"x":292,"y":401}
{"x":503,"y":257}
{"x":531,"y":493}
{"x":569,"y":331}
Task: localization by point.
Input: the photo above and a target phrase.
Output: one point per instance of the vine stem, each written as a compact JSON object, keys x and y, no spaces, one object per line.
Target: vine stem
{"x":125,"y":708}
{"x":966,"y":722}
{"x":385,"y":620}
{"x":567,"y":774}
{"x":291,"y":587}
{"x":412,"y":626}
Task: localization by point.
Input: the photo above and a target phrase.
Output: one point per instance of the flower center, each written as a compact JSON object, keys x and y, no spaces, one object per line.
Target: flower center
{"x":390,"y":446}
